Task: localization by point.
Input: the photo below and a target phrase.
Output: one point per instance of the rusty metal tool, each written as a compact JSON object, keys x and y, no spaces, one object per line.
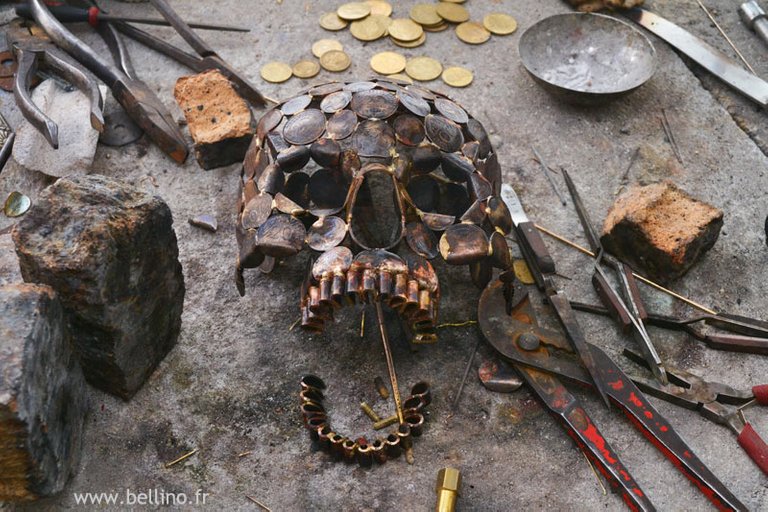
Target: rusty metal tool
{"x":138,"y":100}
{"x":627,"y":310}
{"x":543,"y":269}
{"x":755,"y":18}
{"x":207,"y":57}
{"x":751,"y":336}
{"x":541,"y":356}
{"x":717,"y":402}
{"x":34,"y":51}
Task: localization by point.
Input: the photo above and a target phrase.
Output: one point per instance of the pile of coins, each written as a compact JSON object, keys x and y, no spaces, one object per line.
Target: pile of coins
{"x":370,"y":20}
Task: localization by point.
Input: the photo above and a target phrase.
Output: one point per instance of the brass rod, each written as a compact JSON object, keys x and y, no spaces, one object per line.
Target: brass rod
{"x":390,"y":362}
{"x":722,"y":32}
{"x":638,"y":276}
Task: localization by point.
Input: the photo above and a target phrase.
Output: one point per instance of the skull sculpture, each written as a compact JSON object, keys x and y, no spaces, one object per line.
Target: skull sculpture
{"x":368,"y":175}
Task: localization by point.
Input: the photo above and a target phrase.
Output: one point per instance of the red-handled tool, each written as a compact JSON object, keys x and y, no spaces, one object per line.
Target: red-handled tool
{"x":715,"y":401}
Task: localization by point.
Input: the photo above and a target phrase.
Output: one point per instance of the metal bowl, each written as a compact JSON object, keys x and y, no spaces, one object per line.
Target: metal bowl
{"x":587,"y":59}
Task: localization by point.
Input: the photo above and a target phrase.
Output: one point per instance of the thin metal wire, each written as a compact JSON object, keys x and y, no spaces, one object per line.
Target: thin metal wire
{"x":722,"y":32}
{"x":390,"y":362}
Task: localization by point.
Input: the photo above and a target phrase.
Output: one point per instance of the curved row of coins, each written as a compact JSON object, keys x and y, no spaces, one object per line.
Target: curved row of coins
{"x":360,"y":450}
{"x":386,"y":170}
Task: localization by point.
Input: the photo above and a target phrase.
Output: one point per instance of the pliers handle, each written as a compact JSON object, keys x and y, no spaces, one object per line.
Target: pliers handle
{"x":36,"y":51}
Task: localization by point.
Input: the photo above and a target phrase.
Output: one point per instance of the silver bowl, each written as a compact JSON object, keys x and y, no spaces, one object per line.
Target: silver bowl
{"x":587,"y":59}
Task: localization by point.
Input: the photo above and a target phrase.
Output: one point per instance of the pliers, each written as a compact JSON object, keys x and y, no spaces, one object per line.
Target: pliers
{"x":34,"y":50}
{"x":138,"y":100}
{"x":541,"y":356}
{"x":717,"y":402}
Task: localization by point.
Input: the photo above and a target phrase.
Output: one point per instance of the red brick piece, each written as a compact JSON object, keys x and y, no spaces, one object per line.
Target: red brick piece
{"x":660,"y":230}
{"x":219,"y":120}
{"x":42,"y":395}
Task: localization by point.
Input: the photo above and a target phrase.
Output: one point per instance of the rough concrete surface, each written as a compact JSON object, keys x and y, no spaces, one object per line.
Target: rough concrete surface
{"x":230,"y":386}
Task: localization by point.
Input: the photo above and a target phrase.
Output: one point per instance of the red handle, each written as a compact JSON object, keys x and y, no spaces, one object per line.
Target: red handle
{"x":754,"y":446}
{"x":761,"y":394}
{"x":93,"y":16}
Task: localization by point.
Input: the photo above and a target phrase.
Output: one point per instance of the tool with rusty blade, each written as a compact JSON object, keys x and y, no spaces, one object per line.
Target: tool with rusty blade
{"x":703,"y":54}
{"x":543,"y":269}
{"x":541,"y":356}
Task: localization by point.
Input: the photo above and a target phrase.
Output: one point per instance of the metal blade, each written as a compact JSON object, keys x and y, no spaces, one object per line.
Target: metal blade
{"x":515,"y":206}
{"x":703,"y":54}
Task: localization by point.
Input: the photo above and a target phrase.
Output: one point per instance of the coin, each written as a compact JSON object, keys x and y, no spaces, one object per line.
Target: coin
{"x":354,"y":11}
{"x":454,"y":13}
{"x":402,"y":77}
{"x":436,"y":28}
{"x":472,"y":32}
{"x":425,"y":14}
{"x":423,"y":69}
{"x":388,"y":63}
{"x":306,"y":69}
{"x":325,"y":45}
{"x":368,"y":29}
{"x":379,"y":7}
{"x":16,"y":204}
{"x":456,"y":76}
{"x":384,"y":21}
{"x":276,"y":72}
{"x":500,"y":24}
{"x":335,"y":60}
{"x":410,"y":44}
{"x":522,"y":272}
{"x":331,"y":21}
{"x":454,"y":1}
{"x":405,"y":30}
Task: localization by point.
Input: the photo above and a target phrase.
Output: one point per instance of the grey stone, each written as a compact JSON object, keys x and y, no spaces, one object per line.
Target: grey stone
{"x":42,"y":395}
{"x":110,"y":252}
{"x":9,"y":262}
{"x":77,"y":138}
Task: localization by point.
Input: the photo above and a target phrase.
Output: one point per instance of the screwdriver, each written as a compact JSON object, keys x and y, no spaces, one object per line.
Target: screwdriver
{"x":69,"y":14}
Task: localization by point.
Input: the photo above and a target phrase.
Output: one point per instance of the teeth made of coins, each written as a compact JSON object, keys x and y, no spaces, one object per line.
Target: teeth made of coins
{"x":472,"y":32}
{"x":405,"y":30}
{"x":368,"y":29}
{"x":410,"y":44}
{"x":454,"y":13}
{"x":323,"y":46}
{"x":331,"y":21}
{"x":306,"y":69}
{"x":423,"y":69}
{"x":379,"y":7}
{"x":456,"y":76}
{"x":353,"y":11}
{"x":335,"y":61}
{"x":276,"y":72}
{"x":425,"y":14}
{"x":388,"y":63}
{"x":296,"y":105}
{"x":16,"y":205}
{"x":500,"y":24}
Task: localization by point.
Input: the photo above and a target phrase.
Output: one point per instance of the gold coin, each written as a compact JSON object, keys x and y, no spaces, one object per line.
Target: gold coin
{"x":388,"y":63}
{"x":436,"y":28}
{"x":368,"y":29}
{"x":402,"y":77}
{"x":325,"y":45}
{"x":276,"y":72}
{"x":410,"y":44}
{"x":405,"y":30}
{"x":457,"y":77}
{"x":380,"y":7}
{"x":331,"y":21}
{"x":423,"y":69}
{"x":522,"y":272}
{"x":472,"y":32}
{"x":454,"y":1}
{"x":306,"y":69}
{"x":500,"y":24}
{"x":454,"y":13}
{"x":335,"y":60}
{"x":425,"y":14}
{"x":384,"y":21}
{"x":354,"y":11}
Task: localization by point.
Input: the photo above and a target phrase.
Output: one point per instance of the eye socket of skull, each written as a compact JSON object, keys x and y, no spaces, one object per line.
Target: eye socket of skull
{"x":375,"y":216}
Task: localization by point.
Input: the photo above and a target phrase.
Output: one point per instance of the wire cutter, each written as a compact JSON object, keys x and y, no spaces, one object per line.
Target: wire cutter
{"x":138,"y":100}
{"x":541,"y":356}
{"x":627,"y":310}
{"x":34,"y":50}
{"x":717,"y":402}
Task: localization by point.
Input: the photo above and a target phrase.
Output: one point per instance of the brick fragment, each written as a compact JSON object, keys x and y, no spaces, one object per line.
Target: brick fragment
{"x":219,"y":120}
{"x":42,"y":395}
{"x":110,"y":253}
{"x":660,"y":230}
